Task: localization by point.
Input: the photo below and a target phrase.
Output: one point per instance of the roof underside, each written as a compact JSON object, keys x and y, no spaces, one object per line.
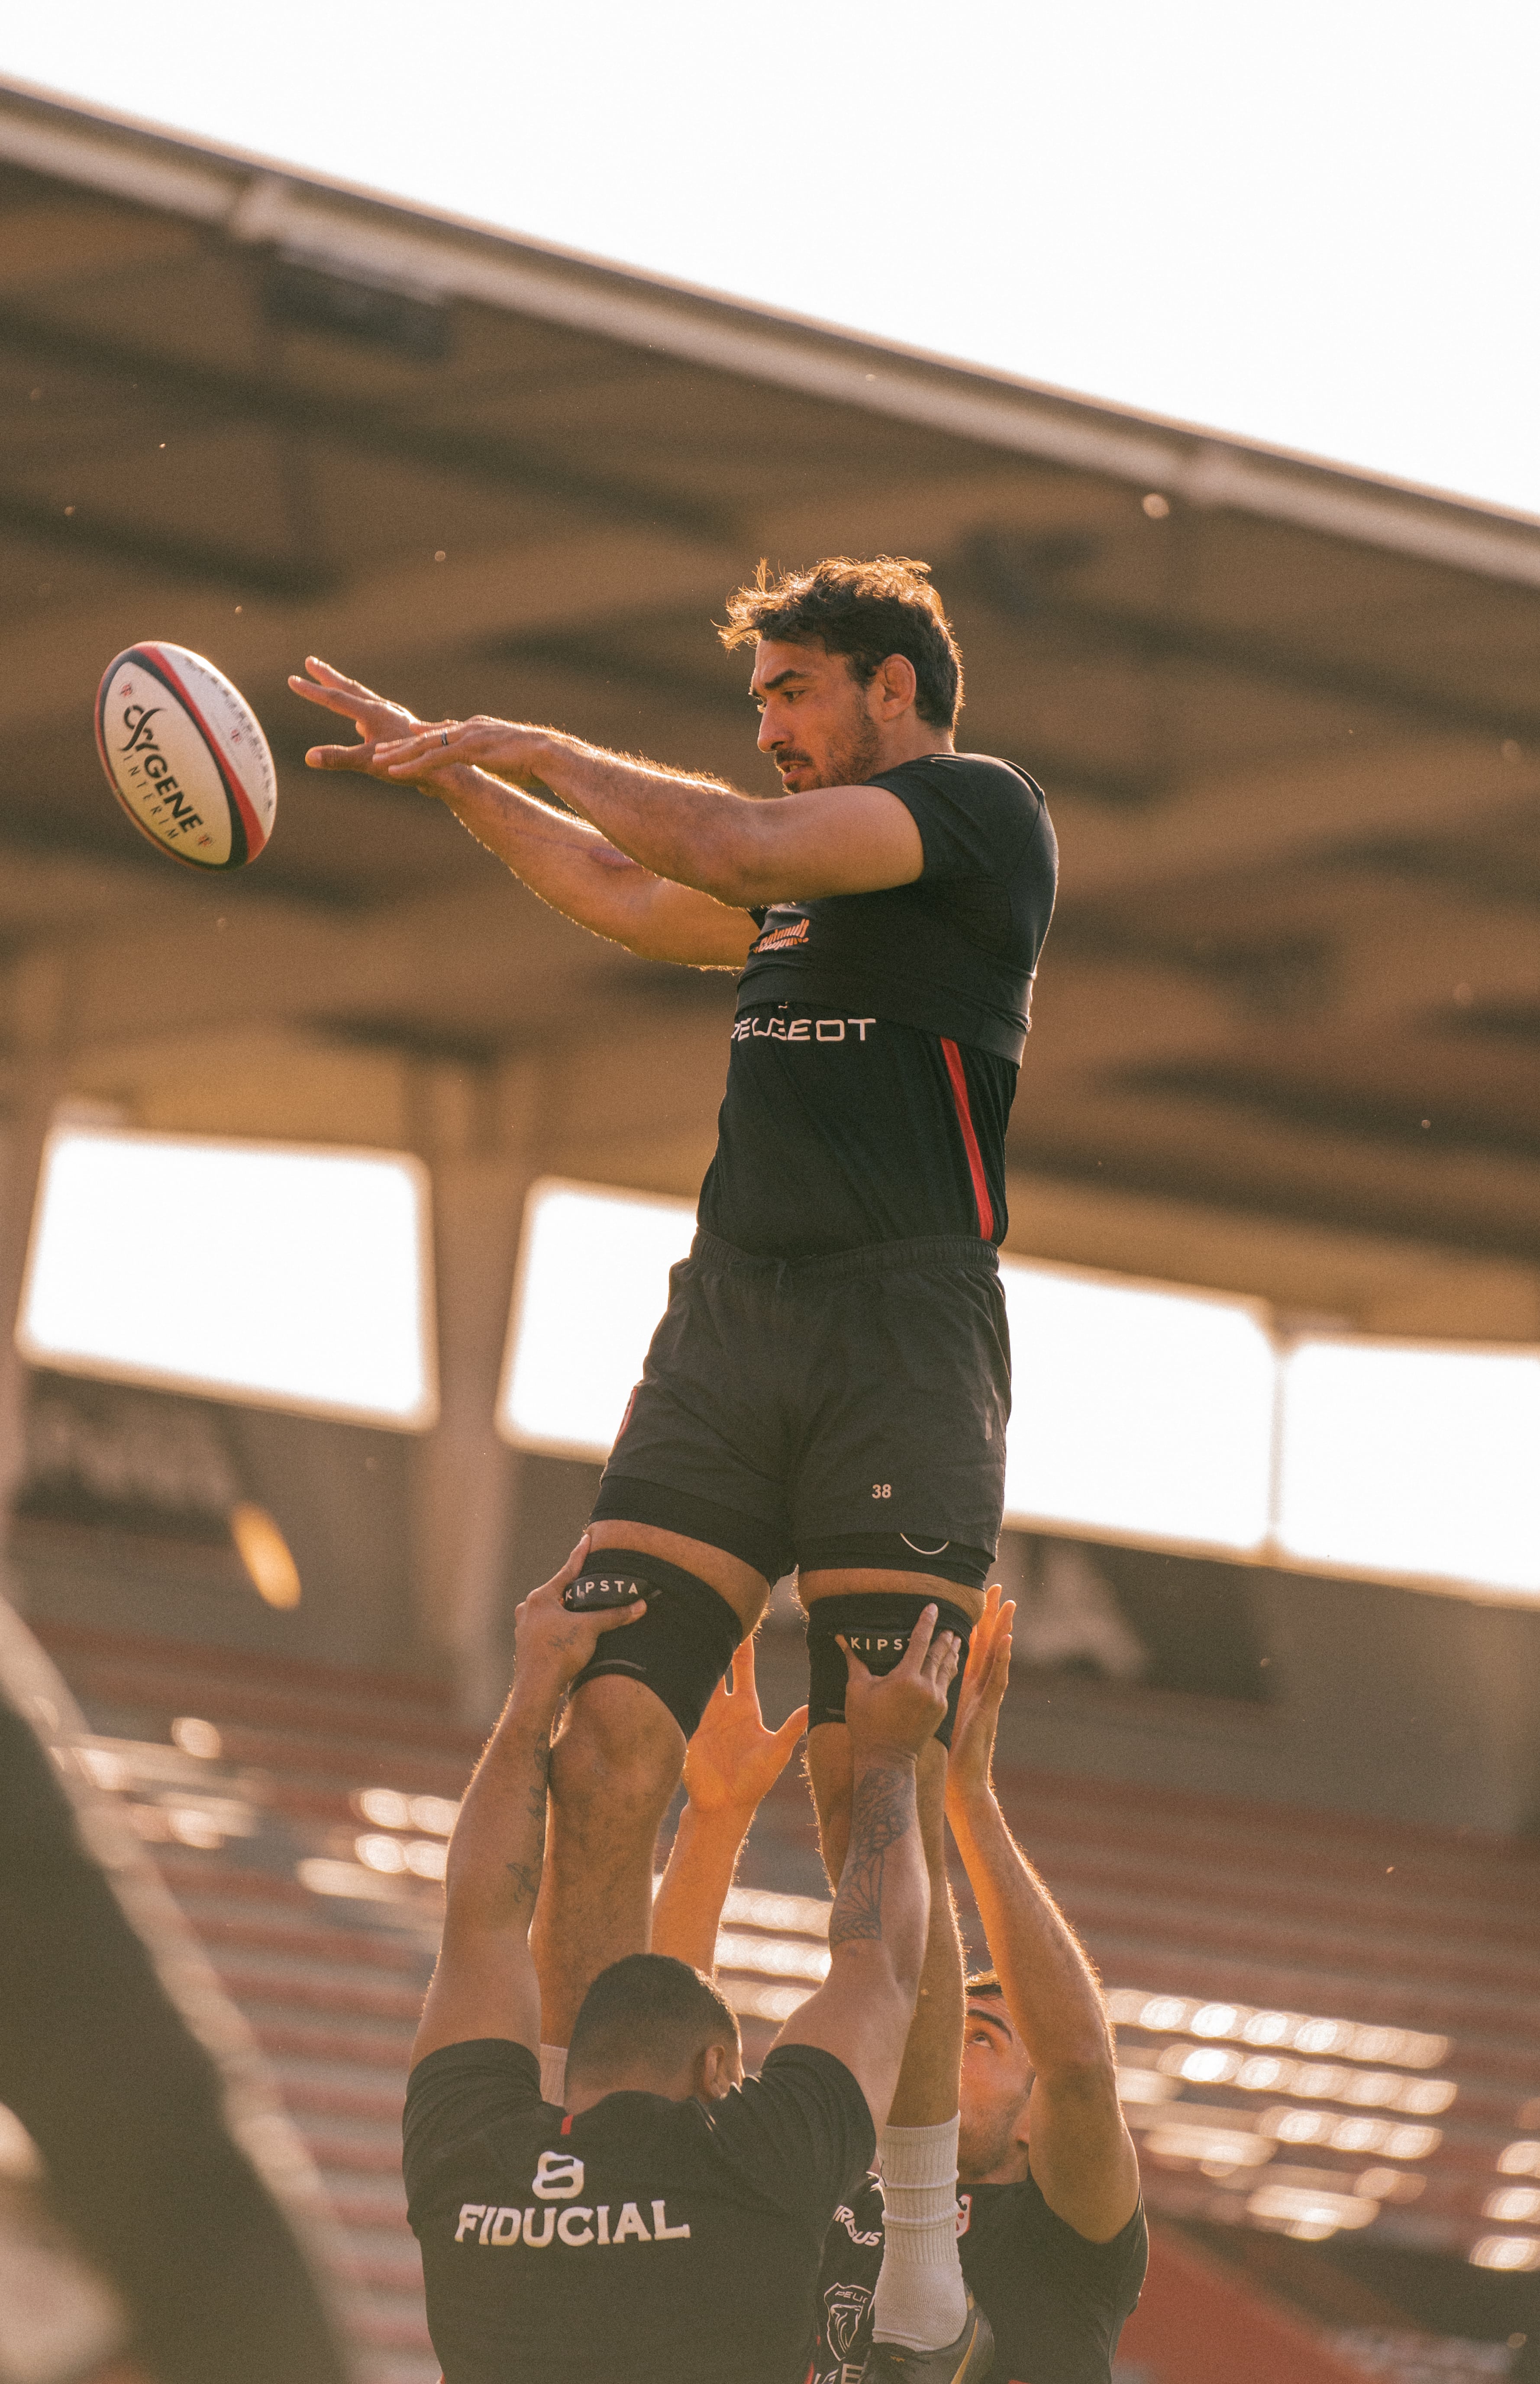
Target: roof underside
{"x":1290,"y":728}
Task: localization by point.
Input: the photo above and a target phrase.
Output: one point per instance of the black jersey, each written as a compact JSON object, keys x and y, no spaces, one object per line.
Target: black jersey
{"x":1057,"y":2302}
{"x":877,"y":1036}
{"x":644,"y":2238}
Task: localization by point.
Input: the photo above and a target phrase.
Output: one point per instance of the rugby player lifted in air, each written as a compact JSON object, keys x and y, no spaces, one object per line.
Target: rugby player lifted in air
{"x":1053,"y":2241}
{"x":668,"y":2227}
{"x":829,"y":1386}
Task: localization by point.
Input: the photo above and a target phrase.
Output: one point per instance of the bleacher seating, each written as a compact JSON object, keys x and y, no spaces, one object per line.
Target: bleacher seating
{"x":315,"y":1900}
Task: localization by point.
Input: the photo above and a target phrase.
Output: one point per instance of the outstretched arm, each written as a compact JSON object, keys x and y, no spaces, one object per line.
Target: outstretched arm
{"x":566,"y":860}
{"x":1082,"y":2155}
{"x":731,"y":1764}
{"x":693,"y":831}
{"x":485,"y":1983}
{"x":862,"y":2011}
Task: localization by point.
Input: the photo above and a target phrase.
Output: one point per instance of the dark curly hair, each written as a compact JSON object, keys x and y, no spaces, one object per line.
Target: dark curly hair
{"x":864,"y":611}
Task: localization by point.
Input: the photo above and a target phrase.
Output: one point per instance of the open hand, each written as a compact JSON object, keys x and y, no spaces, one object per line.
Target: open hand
{"x":982,"y":1692}
{"x":374,"y":717}
{"x":733,"y":1761}
{"x":551,"y":1644}
{"x":901,"y":1710}
{"x":509,"y":749}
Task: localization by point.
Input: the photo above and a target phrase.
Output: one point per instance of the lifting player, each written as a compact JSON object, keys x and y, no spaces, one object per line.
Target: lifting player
{"x":668,"y":2227}
{"x":1052,"y":2235}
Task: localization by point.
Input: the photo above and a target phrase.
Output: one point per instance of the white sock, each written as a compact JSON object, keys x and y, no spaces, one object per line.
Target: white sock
{"x":554,"y":2073}
{"x":921,"y":2300}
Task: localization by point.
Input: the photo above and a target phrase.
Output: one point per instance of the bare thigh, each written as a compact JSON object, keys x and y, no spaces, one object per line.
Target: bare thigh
{"x":744,"y":1589}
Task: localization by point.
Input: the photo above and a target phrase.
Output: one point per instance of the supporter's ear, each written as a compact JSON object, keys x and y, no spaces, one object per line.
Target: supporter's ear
{"x":717,"y":2073}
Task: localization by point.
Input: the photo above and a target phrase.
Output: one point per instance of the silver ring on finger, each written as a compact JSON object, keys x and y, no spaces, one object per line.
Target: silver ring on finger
{"x":444,"y":737}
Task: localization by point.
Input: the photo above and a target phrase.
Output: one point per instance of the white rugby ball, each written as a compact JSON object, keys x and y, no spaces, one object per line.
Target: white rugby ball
{"x":185,"y":756}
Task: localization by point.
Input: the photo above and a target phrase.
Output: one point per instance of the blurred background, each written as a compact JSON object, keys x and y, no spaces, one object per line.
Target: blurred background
{"x":339,"y":1194}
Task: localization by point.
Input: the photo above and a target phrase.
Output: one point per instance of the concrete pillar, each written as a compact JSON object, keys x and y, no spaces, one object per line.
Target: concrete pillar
{"x":465,"y":1478}
{"x":36,"y":997}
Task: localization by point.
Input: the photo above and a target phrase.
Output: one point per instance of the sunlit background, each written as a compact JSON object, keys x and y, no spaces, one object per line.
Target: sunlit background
{"x":299,"y":1279}
{"x":1144,"y":1412}
{"x":339,"y":1197}
{"x":1308,"y":226}
{"x":1175,"y":1418}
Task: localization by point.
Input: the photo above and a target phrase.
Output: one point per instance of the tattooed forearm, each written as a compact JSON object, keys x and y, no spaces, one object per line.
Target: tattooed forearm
{"x":525,"y":1880}
{"x":882,"y":1811}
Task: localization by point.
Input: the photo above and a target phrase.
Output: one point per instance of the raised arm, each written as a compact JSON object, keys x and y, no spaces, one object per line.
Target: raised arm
{"x":484,"y":1984}
{"x":862,"y":2013}
{"x":566,"y":860}
{"x":731,"y":1764}
{"x":693,"y":831}
{"x":1082,"y":2155}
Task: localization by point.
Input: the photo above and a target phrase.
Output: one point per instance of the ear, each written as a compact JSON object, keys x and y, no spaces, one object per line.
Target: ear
{"x":895,"y":687}
{"x":713,"y":2074}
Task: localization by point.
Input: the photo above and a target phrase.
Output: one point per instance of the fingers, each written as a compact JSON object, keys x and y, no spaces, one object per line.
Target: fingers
{"x":338,"y":680}
{"x":787,"y":1735}
{"x":572,"y":1568}
{"x":337,"y":757}
{"x":854,"y":1668}
{"x":332,"y":697}
{"x":919,"y":1641}
{"x":615,"y":1618}
{"x":437,"y":750}
{"x":932,"y":1655}
{"x":417,"y":743}
{"x":941,"y":1663}
{"x":1000,"y":1658}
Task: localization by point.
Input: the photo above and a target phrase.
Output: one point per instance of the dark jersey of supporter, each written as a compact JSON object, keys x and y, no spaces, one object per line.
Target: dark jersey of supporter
{"x":877,"y":1036}
{"x":644,"y":2238}
{"x":1056,"y":2302}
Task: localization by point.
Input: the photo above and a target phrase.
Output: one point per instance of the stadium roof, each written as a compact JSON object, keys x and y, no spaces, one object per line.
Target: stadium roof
{"x":1287,"y":715}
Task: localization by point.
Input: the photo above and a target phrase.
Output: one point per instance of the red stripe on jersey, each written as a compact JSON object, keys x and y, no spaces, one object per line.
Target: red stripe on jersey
{"x":566,"y":2124}
{"x":970,"y":1139}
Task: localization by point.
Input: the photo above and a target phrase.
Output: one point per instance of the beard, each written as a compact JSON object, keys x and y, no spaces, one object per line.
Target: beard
{"x":985,"y":2146}
{"x":852,"y":758}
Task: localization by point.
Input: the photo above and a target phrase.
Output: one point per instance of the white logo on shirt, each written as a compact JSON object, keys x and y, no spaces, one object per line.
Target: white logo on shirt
{"x":558,"y":2177}
{"x":799,"y":1030}
{"x":490,"y":2223}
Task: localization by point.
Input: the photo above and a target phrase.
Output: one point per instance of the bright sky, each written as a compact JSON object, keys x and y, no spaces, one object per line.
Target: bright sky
{"x":1313,"y":225}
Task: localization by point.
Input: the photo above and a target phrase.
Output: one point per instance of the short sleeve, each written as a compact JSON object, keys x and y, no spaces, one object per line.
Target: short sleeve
{"x":456,"y":2095}
{"x":974,"y":814}
{"x":1111,"y":2274}
{"x":802,"y":2131}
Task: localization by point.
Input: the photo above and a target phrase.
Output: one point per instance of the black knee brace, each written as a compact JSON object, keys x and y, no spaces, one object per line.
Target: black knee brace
{"x":681,"y":1647}
{"x":877,"y":1625}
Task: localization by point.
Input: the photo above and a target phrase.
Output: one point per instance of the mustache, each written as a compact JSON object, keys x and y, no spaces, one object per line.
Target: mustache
{"x":793,"y":760}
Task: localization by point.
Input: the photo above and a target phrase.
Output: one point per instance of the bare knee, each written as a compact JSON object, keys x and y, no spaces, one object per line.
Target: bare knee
{"x":617,"y":1759}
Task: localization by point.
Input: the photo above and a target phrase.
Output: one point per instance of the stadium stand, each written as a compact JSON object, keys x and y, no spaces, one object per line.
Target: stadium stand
{"x":1386,"y":1974}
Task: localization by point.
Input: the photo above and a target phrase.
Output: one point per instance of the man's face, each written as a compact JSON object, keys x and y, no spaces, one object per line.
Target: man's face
{"x":997,"y":2080}
{"x":817,"y":723}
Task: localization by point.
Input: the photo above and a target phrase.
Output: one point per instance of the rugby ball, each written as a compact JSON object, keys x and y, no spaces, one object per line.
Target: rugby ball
{"x":185,"y":756}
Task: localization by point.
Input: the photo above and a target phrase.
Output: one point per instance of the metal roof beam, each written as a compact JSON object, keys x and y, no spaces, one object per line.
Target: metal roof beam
{"x":270,"y":403}
{"x":341,"y":229}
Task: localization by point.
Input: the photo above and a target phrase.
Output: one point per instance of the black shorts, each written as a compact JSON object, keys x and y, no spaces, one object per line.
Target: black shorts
{"x":840,"y":1411}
